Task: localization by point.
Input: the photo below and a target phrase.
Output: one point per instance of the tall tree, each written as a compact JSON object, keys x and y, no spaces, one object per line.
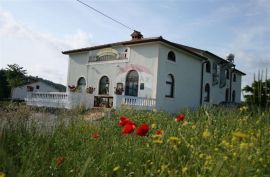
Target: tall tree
{"x":15,"y":75}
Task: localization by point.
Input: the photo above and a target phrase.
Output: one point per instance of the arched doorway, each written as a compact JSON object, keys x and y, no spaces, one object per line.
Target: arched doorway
{"x":132,"y":82}
{"x":104,"y":85}
{"x":81,"y":84}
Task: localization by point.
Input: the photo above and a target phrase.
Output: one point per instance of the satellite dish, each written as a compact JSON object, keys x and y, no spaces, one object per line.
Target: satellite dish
{"x":230,"y":58}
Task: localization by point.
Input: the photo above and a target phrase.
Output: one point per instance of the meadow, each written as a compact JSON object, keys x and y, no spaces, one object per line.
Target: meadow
{"x":215,"y":141}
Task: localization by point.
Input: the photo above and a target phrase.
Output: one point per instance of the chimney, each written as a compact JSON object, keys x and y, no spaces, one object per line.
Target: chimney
{"x":136,"y":35}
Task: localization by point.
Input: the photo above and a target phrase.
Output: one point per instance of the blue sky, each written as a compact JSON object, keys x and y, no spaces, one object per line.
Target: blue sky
{"x":34,"y":32}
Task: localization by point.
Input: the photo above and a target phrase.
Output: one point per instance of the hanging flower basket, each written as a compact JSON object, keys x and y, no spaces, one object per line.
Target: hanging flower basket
{"x":72,"y":88}
{"x":118,"y":91}
{"x":90,"y":90}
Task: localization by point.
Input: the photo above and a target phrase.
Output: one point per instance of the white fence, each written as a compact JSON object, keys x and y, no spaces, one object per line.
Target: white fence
{"x":134,"y":102}
{"x":67,"y":100}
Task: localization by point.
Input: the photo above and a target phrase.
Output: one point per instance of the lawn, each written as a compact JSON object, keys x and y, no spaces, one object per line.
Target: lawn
{"x":206,"y":142}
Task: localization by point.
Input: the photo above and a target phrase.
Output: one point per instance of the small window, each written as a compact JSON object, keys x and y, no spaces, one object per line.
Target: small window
{"x":171,"y":56}
{"x":81,"y":83}
{"x":208,"y":67}
{"x":142,"y":86}
{"x":234,"y":77}
{"x":233,"y":96}
{"x":170,"y":86}
{"x":207,"y":93}
{"x":37,"y":86}
{"x":30,"y":88}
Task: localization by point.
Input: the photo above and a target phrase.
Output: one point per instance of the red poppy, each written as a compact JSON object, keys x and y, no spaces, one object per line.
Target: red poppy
{"x":180,"y":117}
{"x":128,"y":128}
{"x":123,"y":121}
{"x":59,"y":160}
{"x":143,"y":130}
{"x":159,"y":132}
{"x":95,"y":135}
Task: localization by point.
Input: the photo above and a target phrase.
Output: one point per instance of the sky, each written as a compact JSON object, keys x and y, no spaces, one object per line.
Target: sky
{"x":33,"y":33}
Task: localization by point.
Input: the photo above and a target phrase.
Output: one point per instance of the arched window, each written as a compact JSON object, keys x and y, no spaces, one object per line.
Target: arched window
{"x":234,"y":77}
{"x":227,"y":95}
{"x":208,"y":67}
{"x":132,"y":83}
{"x":171,"y":56}
{"x":170,"y":86}
{"x":207,"y":93}
{"x":104,"y":85}
{"x":81,"y":83}
{"x":233,"y":95}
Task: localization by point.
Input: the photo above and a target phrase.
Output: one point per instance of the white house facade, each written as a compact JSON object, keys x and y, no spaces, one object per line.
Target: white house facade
{"x":152,"y":73}
{"x":21,"y":92}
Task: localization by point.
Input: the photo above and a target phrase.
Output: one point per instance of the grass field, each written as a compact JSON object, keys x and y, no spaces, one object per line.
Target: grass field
{"x":208,"y":142}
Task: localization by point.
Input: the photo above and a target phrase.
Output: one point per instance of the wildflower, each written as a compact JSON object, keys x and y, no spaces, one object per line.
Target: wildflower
{"x":95,"y":135}
{"x":143,"y":130}
{"x":60,"y":160}
{"x":240,"y":135}
{"x":153,"y":126}
{"x":206,"y":134}
{"x":115,"y":169}
{"x":128,"y":128}
{"x":173,"y":138}
{"x":184,"y":169}
{"x":243,"y":146}
{"x":157,"y":141}
{"x":243,"y":109}
{"x":193,"y":127}
{"x":159,"y":132}
{"x":180,"y":117}
{"x":2,"y":174}
{"x":123,"y":121}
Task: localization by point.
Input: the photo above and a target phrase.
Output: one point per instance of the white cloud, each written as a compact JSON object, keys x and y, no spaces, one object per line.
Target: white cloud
{"x":38,"y":52}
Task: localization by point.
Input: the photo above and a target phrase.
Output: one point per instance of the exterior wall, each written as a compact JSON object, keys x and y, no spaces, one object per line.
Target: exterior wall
{"x":187,"y":74}
{"x":20,"y":93}
{"x":142,"y":58}
{"x":217,"y":94}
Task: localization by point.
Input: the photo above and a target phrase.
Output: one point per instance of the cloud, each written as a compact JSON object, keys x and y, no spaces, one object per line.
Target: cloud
{"x":38,"y":52}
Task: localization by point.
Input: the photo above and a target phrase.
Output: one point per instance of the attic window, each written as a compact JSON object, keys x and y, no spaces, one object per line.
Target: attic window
{"x":171,"y":56}
{"x":208,"y":67}
{"x":30,"y":88}
{"x":37,"y":86}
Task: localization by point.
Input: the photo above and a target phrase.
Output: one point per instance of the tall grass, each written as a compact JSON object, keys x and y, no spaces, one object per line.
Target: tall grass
{"x":209,"y":142}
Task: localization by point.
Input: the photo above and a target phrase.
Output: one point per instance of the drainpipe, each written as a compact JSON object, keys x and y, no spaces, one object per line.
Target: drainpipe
{"x":202,"y":74}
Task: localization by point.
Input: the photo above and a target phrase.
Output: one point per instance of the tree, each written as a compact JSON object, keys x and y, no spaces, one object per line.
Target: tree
{"x":258,"y":93}
{"x":4,"y":86}
{"x":15,"y":75}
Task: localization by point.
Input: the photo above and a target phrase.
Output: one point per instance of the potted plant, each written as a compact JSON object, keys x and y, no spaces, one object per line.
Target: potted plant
{"x":72,"y":88}
{"x":90,"y":90}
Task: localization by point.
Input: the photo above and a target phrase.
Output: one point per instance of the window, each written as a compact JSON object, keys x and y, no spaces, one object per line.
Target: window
{"x":170,"y":86}
{"x":227,"y":95}
{"x":171,"y":56}
{"x":29,"y":88}
{"x":81,"y":84}
{"x":208,"y":67}
{"x":234,"y":77}
{"x":104,"y":85}
{"x":37,"y":86}
{"x":132,"y":83}
{"x":233,"y":96}
{"x":227,"y":74}
{"x":207,"y":93}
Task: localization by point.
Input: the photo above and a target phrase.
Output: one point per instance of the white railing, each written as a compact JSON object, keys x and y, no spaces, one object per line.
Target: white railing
{"x":134,"y":102}
{"x":67,"y":100}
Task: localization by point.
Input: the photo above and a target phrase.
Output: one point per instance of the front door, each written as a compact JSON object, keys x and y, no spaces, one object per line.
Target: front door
{"x":132,"y":81}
